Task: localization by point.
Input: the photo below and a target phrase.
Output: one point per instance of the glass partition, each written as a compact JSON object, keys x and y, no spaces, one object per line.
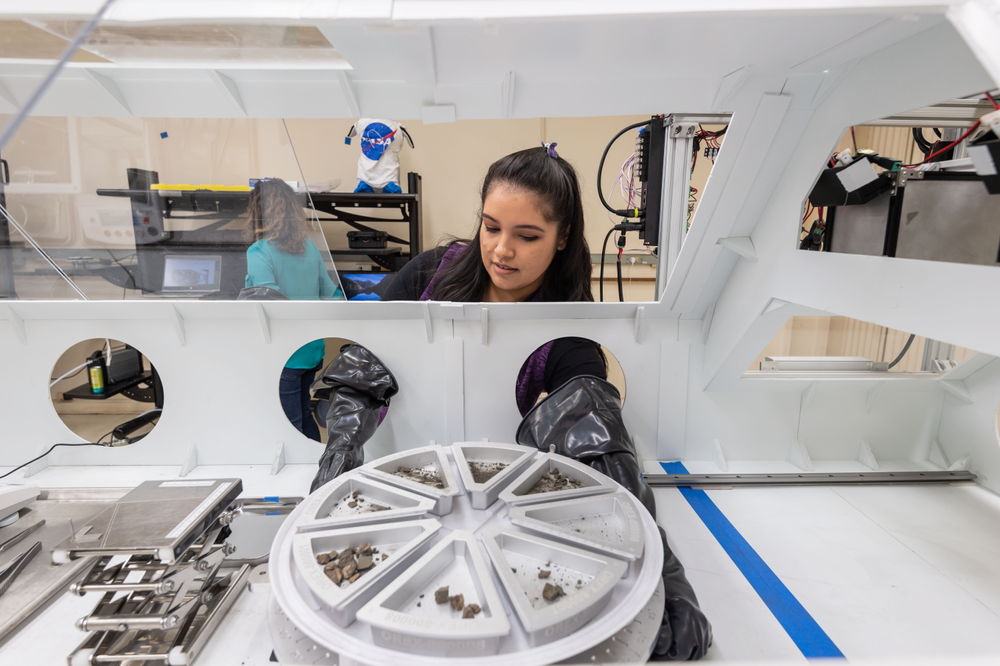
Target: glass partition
{"x":133,"y":176}
{"x":156,"y":208}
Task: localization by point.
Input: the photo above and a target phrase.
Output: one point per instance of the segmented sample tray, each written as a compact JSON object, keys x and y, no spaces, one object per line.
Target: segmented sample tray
{"x":398,"y":626}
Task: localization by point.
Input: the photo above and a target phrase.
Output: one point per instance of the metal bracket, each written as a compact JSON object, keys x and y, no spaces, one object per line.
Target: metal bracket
{"x":904,"y":175}
{"x":484,"y":319}
{"x":682,"y":130}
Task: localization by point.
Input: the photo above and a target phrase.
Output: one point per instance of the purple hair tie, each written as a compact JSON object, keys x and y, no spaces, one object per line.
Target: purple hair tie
{"x":550,"y":148}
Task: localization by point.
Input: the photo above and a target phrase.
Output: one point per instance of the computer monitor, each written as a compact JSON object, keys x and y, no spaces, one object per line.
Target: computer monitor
{"x":365,"y":286}
{"x":192,"y":273}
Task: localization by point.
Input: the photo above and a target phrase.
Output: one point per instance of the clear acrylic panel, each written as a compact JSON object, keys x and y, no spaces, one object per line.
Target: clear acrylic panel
{"x":117,"y":207}
{"x":154,"y":208}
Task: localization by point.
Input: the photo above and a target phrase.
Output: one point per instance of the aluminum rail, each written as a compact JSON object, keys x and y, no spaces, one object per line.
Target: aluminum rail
{"x":808,"y":479}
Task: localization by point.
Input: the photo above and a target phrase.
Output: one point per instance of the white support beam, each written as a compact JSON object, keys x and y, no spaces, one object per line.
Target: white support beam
{"x":866,"y":457}
{"x":17,"y":323}
{"x":190,"y":461}
{"x":961,"y":465}
{"x":958,"y":389}
{"x":279,"y":458}
{"x":110,"y":88}
{"x":731,"y":83}
{"x":178,"y":325}
{"x":428,"y":323}
{"x":8,"y":97}
{"x":799,"y":456}
{"x":37,"y":466}
{"x":230,"y":90}
{"x":741,"y":245}
{"x":803,"y":402}
{"x":872,"y":395}
{"x":347,"y":88}
{"x":978,"y":22}
{"x":706,"y":322}
{"x":507,"y":95}
{"x":773,"y":304}
{"x":718,"y":457}
{"x":937,"y":456}
{"x":264,"y":321}
{"x":484,"y":322}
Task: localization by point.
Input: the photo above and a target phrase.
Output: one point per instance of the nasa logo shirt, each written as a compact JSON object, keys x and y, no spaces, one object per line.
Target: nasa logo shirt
{"x":380,"y":145}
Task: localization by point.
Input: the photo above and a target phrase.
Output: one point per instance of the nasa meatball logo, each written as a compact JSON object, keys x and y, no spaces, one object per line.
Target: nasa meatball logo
{"x":375,"y":139}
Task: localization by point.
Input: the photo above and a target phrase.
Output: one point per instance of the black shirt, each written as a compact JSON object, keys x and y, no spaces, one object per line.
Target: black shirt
{"x":569,"y":357}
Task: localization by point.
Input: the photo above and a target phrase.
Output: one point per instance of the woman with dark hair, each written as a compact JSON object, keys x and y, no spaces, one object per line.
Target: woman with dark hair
{"x":281,"y":258}
{"x":529,"y":245}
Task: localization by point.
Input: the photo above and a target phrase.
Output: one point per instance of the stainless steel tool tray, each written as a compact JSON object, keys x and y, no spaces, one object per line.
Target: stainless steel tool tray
{"x":406,"y":617}
{"x":329,"y":506}
{"x":514,"y":456}
{"x":159,"y":518}
{"x":401,"y":542}
{"x":609,"y":523}
{"x":427,"y":457}
{"x":587,"y":579}
{"x":593,"y":481}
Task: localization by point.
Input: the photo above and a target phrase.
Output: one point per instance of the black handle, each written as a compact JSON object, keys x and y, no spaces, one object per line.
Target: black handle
{"x":6,"y":172}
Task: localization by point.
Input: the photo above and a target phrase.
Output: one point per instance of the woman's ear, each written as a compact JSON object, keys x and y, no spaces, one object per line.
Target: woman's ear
{"x":563,"y":241}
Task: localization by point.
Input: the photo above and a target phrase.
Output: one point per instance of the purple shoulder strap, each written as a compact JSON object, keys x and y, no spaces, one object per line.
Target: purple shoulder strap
{"x":453,"y":251}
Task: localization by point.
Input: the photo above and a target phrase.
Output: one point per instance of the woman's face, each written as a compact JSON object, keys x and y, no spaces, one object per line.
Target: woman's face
{"x":517,"y":243}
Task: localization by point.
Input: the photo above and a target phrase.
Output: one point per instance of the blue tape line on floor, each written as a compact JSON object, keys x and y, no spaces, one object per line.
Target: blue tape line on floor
{"x":807,"y":635}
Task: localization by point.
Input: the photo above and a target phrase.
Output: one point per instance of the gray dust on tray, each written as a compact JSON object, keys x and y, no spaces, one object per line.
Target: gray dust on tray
{"x":552,"y":481}
{"x":427,"y":475}
{"x":483,"y":471}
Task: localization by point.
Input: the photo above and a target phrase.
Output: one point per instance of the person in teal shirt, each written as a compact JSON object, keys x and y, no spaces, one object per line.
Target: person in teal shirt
{"x":283,"y":259}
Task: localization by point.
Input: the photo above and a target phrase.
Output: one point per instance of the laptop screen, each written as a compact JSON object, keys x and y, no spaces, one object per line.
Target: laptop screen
{"x":365,"y":286}
{"x":192,"y":272}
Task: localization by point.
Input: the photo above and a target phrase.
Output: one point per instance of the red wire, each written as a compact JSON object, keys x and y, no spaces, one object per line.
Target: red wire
{"x":953,"y":143}
{"x":992,"y":101}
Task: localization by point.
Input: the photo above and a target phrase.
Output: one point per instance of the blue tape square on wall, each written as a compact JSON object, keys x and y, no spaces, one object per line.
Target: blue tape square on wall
{"x":804,"y":631}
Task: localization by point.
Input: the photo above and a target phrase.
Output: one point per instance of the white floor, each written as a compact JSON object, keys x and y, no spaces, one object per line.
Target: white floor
{"x":887,"y":572}
{"x":891,"y":574}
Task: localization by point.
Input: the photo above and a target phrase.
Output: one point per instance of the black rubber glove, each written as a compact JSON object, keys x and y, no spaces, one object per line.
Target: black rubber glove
{"x":685,"y":633}
{"x":583,"y":420}
{"x":358,"y":387}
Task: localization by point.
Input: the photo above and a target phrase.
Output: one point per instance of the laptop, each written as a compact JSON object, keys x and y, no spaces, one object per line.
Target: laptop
{"x":191,"y":275}
{"x":365,"y":286}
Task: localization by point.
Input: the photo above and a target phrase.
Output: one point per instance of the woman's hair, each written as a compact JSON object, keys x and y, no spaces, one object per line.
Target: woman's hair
{"x":275,"y":213}
{"x":555,"y":186}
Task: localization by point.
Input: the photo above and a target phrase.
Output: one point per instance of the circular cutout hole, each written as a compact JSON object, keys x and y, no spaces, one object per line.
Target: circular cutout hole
{"x":105,"y":391}
{"x":560,"y":360}
{"x":306,"y":406}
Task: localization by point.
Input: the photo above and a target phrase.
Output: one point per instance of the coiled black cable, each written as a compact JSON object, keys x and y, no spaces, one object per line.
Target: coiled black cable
{"x":600,"y":169}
